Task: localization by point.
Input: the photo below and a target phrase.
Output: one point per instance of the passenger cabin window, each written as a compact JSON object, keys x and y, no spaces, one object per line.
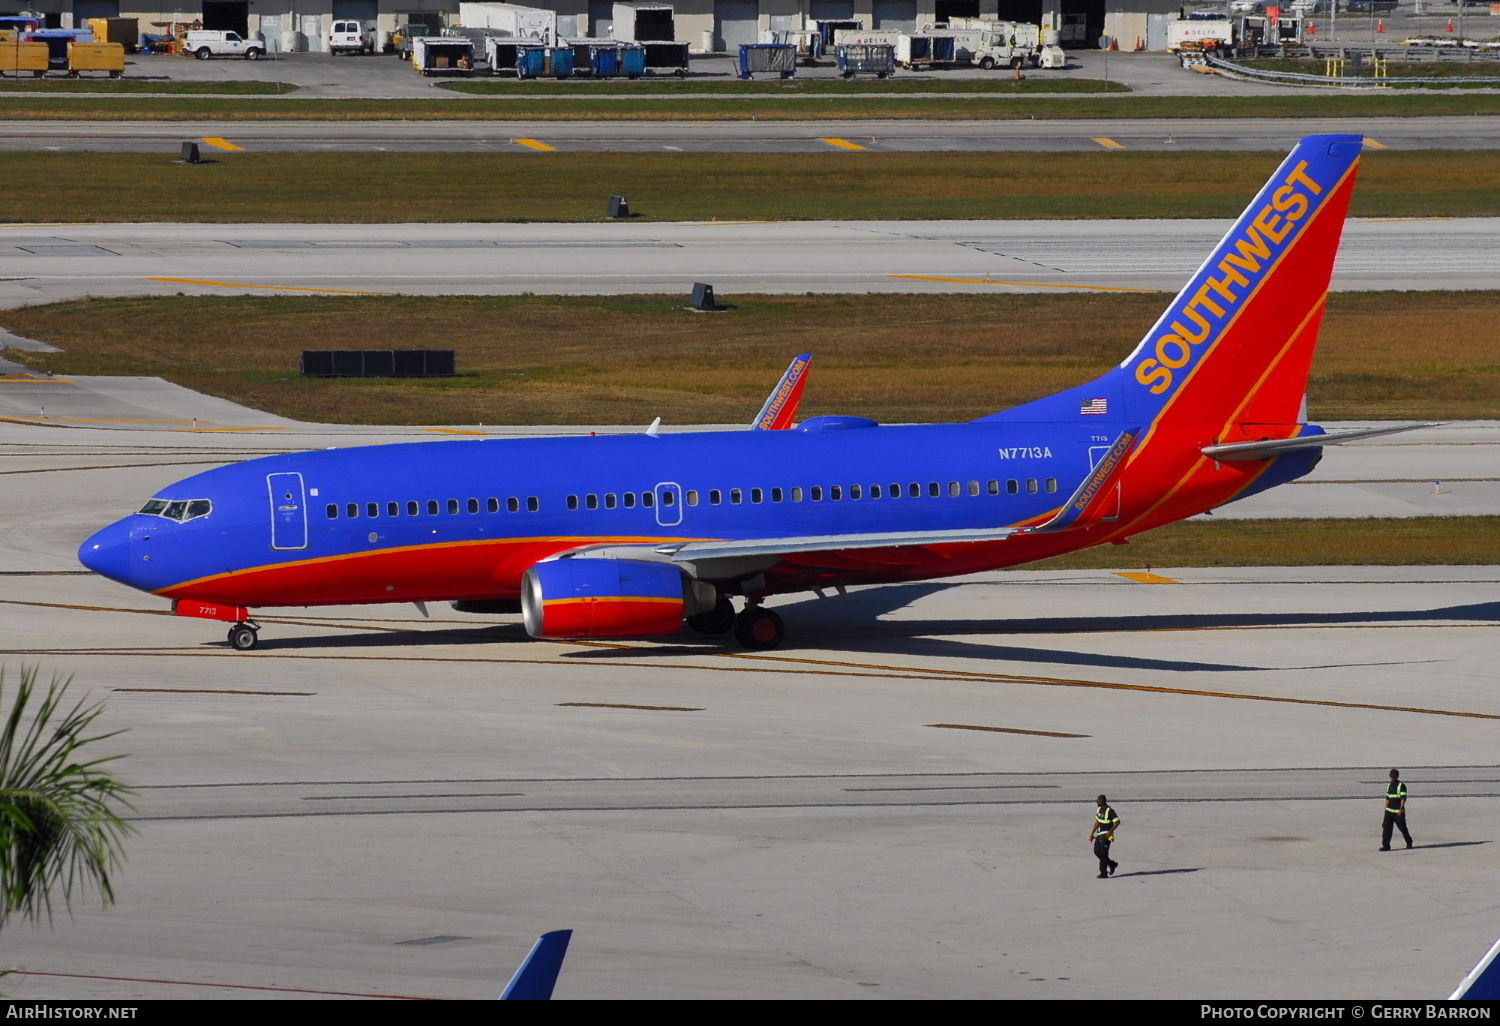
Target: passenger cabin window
{"x":372,"y":509}
{"x":855,"y":492}
{"x":473,"y":505}
{"x":1051,"y":484}
{"x":668,"y":499}
{"x":533,"y":503}
{"x":333,"y":511}
{"x":609,"y":500}
{"x":513,"y":505}
{"x":352,"y":509}
{"x":777,"y":495}
{"x":815,"y":493}
{"x":572,"y":502}
{"x":796,"y":494}
{"x":735,"y":496}
{"x":647,"y":500}
{"x":994,"y":487}
{"x":1031,"y":485}
{"x":432,"y":507}
{"x":493,"y":505}
{"x":756,"y":495}
{"x":1012,"y":487}
{"x":629,"y":499}
{"x":689,"y":496}
{"x":973,"y":487}
{"x":835,"y":493}
{"x":413,"y":507}
{"x":914,"y":490}
{"x":453,"y":507}
{"x":715,"y":497}
{"x":393,"y":509}
{"x":591,"y":500}
{"x":874,"y":491}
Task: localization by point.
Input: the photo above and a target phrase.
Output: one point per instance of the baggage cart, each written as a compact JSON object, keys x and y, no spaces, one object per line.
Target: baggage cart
{"x":667,"y":57}
{"x":607,"y":59}
{"x":809,"y":43}
{"x":442,"y":55}
{"x":57,"y":41}
{"x":878,"y":59}
{"x":544,"y":62}
{"x":106,"y":57}
{"x":20,"y":58}
{"x":503,"y":52}
{"x":777,"y":58}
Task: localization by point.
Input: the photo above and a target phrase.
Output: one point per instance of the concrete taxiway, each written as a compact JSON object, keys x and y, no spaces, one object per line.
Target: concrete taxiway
{"x":48,"y":262}
{"x":1086,"y":135}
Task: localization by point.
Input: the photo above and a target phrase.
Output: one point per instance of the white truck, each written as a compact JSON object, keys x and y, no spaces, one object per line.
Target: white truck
{"x":510,"y":20}
{"x":206,"y":43}
{"x":348,"y":36}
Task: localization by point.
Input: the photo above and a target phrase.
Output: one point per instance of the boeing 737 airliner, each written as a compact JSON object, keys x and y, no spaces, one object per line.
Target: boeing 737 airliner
{"x":632,"y":536}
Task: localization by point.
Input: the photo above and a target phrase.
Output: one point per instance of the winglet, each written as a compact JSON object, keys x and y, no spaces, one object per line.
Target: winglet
{"x":781,"y":405}
{"x":537,"y":975}
{"x":1098,"y":497}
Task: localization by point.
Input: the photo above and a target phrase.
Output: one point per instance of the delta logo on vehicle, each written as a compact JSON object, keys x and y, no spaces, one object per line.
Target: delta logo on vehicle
{"x":1247,"y":257}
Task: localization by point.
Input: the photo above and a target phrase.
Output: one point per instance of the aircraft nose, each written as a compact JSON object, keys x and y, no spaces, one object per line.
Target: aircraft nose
{"x":107,"y":552}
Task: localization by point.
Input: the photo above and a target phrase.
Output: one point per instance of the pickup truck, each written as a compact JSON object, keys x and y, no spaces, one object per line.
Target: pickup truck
{"x":206,"y":43}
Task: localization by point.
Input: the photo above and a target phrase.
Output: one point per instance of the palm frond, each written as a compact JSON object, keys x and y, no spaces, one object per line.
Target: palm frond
{"x":62,"y":831}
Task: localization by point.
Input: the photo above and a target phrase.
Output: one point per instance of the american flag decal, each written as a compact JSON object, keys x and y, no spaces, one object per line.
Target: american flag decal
{"x":1094,"y":406}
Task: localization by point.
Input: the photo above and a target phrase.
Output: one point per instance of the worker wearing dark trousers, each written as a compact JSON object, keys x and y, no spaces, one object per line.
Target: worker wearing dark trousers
{"x":1102,"y":833}
{"x":1395,"y":812}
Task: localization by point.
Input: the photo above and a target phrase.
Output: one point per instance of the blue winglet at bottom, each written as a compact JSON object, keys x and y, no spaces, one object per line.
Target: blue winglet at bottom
{"x":537,"y":975}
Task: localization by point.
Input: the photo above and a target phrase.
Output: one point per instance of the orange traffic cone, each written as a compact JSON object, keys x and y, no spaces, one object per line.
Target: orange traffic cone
{"x":1380,"y":25}
{"x":1114,"y":44}
{"x":1450,"y":24}
{"x":1312,"y":28}
{"x":1018,"y":73}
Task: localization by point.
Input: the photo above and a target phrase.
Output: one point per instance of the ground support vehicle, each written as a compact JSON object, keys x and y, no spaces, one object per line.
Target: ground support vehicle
{"x":1199,"y":35}
{"x":512,"y":20}
{"x":18,"y":58}
{"x":442,"y":55}
{"x":827,"y":29}
{"x":406,"y":34}
{"x":348,"y":36}
{"x":876,"y":59}
{"x":106,"y":57}
{"x":667,"y":57}
{"x":206,"y":43}
{"x":776,"y":58}
{"x":544,"y":61}
{"x":125,"y":31}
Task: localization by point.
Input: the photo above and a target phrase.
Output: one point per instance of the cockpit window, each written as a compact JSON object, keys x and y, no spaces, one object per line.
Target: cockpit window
{"x":177,"y":509}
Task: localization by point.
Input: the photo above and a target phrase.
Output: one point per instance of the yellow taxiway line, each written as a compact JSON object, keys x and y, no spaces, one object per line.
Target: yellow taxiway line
{"x":1108,"y":144}
{"x":222,"y":144}
{"x":535,"y":144}
{"x":843,"y":144}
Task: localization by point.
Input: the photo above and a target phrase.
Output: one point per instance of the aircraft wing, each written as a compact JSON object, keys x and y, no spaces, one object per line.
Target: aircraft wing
{"x":781,"y":405}
{"x":1089,"y":503}
{"x":1267,"y":448}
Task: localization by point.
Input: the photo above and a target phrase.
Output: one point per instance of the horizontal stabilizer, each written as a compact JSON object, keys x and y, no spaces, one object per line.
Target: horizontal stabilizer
{"x":1483,"y":981}
{"x":1094,"y":499}
{"x":1267,"y":448}
{"x":781,"y":405}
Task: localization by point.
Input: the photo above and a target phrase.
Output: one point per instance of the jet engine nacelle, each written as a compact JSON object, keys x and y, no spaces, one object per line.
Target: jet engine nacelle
{"x":609,"y":598}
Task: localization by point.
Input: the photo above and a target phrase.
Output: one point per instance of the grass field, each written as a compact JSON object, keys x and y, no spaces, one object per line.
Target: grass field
{"x":530,"y":186}
{"x":1371,"y":541}
{"x":754,"y":104}
{"x":557,"y":360}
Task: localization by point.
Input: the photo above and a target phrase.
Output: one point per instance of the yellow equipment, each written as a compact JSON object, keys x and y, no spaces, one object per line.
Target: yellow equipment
{"x":109,"y":57}
{"x":21,"y":57}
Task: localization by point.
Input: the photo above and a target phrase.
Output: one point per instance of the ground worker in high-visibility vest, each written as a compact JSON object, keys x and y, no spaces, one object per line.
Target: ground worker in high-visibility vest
{"x":1102,"y":833}
{"x":1395,"y":812}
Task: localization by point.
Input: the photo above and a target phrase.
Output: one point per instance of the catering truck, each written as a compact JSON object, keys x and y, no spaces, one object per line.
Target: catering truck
{"x":510,"y":20}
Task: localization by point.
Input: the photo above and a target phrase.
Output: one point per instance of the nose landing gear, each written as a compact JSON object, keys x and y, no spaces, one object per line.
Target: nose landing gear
{"x":244,"y":636}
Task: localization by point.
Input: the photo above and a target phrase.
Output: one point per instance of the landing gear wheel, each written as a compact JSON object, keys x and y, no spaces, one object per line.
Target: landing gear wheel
{"x":758,"y":628}
{"x":718,"y":620}
{"x":243,"y":637}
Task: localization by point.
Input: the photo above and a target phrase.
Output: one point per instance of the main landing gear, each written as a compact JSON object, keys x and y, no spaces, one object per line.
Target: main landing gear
{"x":244,"y":636}
{"x":756,"y":627}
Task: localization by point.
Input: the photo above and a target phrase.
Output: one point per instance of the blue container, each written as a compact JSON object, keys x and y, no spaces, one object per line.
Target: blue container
{"x":606,"y":61}
{"x":632,"y":61}
{"x":544,"y":62}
